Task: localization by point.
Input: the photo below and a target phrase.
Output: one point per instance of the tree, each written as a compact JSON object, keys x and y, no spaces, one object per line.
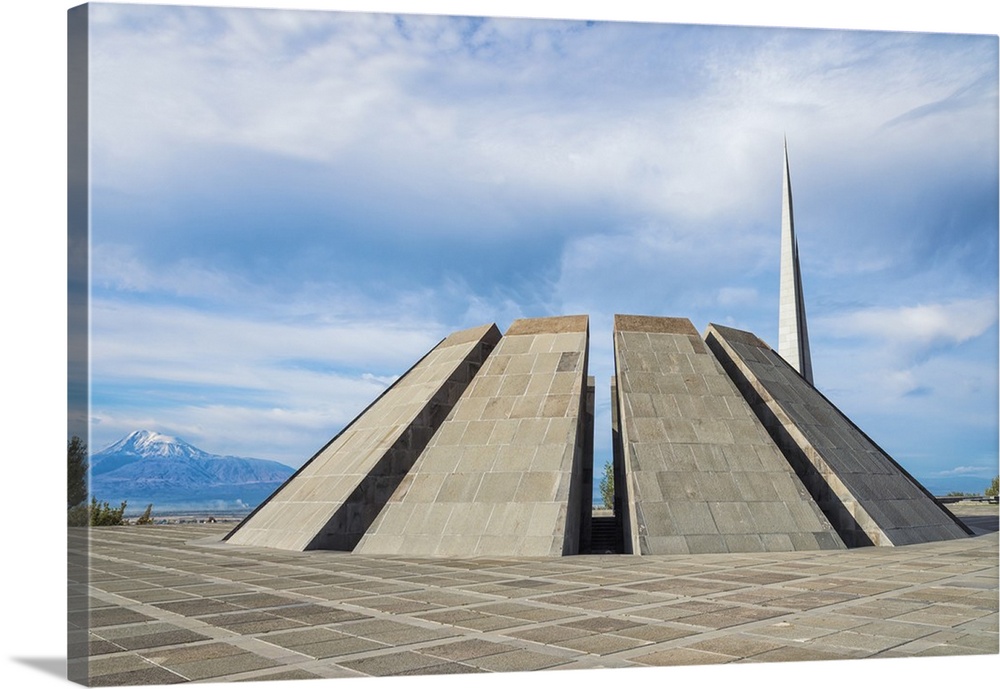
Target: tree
{"x":994,"y":488}
{"x":76,"y":483}
{"x":78,"y":515}
{"x":77,"y":475}
{"x":147,"y":516}
{"x":607,"y":486}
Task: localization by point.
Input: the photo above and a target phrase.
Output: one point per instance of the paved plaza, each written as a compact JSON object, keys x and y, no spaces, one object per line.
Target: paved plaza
{"x":171,"y":604}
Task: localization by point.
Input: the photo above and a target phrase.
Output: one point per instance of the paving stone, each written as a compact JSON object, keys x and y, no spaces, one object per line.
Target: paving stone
{"x":220,"y":667}
{"x":152,"y":675}
{"x":186,"y":654}
{"x":208,"y":590}
{"x":394,"y":605}
{"x":655,"y":633}
{"x":942,"y":615}
{"x":168,"y":638}
{"x":280,"y":676}
{"x":336,"y":648}
{"x":390,"y":663}
{"x":736,"y":645}
{"x":809,"y":601}
{"x":97,"y":647}
{"x":601,"y":625}
{"x":449,"y":616}
{"x":467,"y":648}
{"x":157,"y":595}
{"x":956,"y":623}
{"x":516,"y":661}
{"x":303,"y":637}
{"x":317,"y":614}
{"x":794,"y":654}
{"x":107,"y":617}
{"x":488,"y":623}
{"x":601,"y":644}
{"x":118,"y":664}
{"x":550,"y":634}
{"x":681,"y":656}
{"x":852,"y":639}
{"x":197,"y":607}
{"x":251,"y":622}
{"x":729,"y":618}
{"x":894,"y":629}
{"x":797,"y":631}
{"x":441,"y":669}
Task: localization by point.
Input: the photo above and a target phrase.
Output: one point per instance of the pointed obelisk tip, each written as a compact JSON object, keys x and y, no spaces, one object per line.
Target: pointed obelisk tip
{"x":793,"y":335}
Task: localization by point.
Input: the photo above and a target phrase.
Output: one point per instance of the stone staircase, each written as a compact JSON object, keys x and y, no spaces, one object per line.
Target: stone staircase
{"x":604,"y":536}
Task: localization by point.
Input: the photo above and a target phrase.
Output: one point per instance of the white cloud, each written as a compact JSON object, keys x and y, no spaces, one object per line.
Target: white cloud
{"x":116,"y":267}
{"x":967,"y":471}
{"x":198,"y":345}
{"x":920,"y":326}
{"x":695,"y":133}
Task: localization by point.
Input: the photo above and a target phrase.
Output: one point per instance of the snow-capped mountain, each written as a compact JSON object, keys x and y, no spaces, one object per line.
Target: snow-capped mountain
{"x":147,"y":467}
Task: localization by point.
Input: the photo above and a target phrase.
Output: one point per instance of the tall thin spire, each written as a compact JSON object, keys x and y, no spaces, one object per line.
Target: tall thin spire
{"x":793,"y":336}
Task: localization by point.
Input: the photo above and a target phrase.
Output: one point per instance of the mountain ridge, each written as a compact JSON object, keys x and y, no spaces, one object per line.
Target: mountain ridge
{"x":150,"y":467}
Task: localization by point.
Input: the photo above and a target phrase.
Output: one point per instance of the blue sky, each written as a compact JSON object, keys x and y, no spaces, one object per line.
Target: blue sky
{"x":289,"y":208}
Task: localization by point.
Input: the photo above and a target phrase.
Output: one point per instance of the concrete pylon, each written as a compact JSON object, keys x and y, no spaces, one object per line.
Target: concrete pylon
{"x":504,"y":474}
{"x":701,"y":474}
{"x":333,"y":499}
{"x":866,"y":495}
{"x":793,"y":336}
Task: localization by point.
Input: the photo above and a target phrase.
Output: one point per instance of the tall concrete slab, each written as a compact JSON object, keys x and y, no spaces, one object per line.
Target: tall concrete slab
{"x":701,"y":473}
{"x":333,"y":499}
{"x":793,"y":335}
{"x":867,"y":496}
{"x":504,"y":475}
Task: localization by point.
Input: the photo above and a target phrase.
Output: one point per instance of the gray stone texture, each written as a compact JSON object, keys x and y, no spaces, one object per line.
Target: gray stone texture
{"x":867,"y":496}
{"x":701,"y":473}
{"x":927,"y":599}
{"x":503,"y":475}
{"x":331,"y":501}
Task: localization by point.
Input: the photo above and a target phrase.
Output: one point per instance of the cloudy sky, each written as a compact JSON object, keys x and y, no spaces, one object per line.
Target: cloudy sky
{"x":289,"y":208}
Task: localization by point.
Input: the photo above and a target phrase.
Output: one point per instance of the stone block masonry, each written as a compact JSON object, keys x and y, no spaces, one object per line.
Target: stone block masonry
{"x":504,"y":475}
{"x":867,"y":496}
{"x":333,"y":499}
{"x":485,"y":448}
{"x":700,"y":472}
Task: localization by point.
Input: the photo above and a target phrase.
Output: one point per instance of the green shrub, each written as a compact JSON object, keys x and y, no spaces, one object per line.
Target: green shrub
{"x":102,"y":514}
{"x":994,"y":488}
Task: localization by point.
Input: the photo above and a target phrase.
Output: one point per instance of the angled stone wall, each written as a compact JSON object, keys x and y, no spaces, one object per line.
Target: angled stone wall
{"x":504,"y":474}
{"x":485,"y":448}
{"x":701,"y":473}
{"x":333,"y":499}
{"x":868,"y":497}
